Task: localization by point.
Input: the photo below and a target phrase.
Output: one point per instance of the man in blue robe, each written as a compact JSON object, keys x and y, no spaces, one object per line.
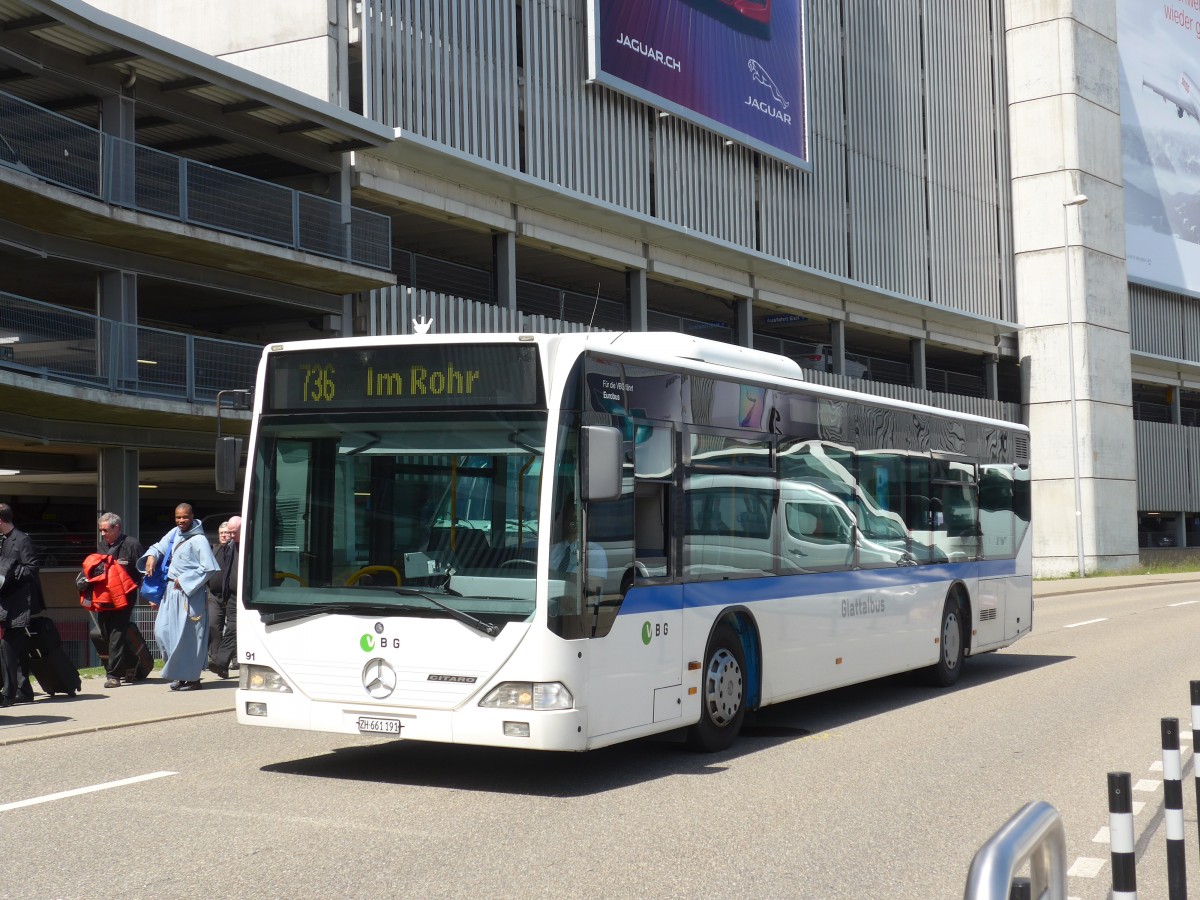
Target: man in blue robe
{"x":181,"y":626}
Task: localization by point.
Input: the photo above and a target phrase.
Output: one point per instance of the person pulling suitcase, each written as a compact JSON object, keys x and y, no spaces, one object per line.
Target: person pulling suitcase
{"x":20,"y":600}
{"x":113,"y":605}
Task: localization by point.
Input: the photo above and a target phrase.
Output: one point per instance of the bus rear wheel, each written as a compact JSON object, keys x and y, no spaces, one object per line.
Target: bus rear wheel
{"x":951,"y":645}
{"x":723,"y":693}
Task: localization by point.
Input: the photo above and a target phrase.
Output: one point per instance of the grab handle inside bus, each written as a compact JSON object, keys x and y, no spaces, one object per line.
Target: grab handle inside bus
{"x":600,"y":456}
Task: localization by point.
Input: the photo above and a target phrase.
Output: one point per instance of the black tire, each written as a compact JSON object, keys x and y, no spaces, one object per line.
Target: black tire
{"x":952,"y":644}
{"x":722,"y":693}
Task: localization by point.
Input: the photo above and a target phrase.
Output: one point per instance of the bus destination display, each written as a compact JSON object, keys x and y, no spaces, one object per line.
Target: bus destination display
{"x":407,"y":377}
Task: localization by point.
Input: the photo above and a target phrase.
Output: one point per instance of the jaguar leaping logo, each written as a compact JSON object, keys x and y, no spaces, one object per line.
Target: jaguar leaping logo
{"x":379,"y":678}
{"x":759,"y":74}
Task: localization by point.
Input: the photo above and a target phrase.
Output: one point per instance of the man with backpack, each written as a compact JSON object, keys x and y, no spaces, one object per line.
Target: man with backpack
{"x":113,"y":603}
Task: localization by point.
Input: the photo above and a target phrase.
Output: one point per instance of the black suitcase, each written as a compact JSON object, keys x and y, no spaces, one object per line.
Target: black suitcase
{"x":48,"y":662}
{"x":133,"y":640}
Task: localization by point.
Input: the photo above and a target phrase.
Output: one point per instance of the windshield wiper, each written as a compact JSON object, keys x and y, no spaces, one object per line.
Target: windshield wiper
{"x":291,"y":615}
{"x":304,"y":612}
{"x":466,"y":618}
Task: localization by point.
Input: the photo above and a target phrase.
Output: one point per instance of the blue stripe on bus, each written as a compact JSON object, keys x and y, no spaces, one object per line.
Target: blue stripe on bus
{"x":662,"y":598}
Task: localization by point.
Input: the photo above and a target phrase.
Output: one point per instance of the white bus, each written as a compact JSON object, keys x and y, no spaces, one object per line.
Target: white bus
{"x":562,"y":542}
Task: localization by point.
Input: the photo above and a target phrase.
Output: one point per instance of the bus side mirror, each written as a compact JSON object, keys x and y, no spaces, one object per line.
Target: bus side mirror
{"x":600,"y":454}
{"x":229,"y":454}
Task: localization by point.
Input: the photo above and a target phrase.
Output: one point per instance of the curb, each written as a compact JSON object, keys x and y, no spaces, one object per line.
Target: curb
{"x":1084,"y":588}
{"x":109,"y":726}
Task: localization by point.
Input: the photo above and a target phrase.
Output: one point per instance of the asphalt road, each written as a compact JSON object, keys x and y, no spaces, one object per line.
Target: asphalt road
{"x":883,"y":790}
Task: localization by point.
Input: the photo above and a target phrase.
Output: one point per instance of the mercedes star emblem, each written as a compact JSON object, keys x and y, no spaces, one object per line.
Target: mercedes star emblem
{"x":379,"y":678}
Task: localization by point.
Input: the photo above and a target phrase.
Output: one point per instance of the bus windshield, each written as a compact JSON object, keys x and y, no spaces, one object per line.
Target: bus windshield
{"x":429,"y":514}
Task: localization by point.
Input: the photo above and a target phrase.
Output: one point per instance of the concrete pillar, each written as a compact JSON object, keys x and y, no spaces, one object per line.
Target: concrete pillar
{"x":991,"y":379}
{"x":837,"y":347}
{"x":117,"y":486}
{"x":504,"y":270}
{"x":117,"y":302}
{"x":744,"y":308}
{"x":916,"y":356}
{"x":635,"y":293}
{"x":117,"y":122}
{"x":1071,"y":291}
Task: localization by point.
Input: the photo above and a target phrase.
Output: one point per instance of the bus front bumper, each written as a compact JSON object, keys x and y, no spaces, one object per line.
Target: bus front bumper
{"x":528,"y":729}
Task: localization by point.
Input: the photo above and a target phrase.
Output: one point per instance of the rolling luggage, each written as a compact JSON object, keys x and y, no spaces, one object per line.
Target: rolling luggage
{"x":136,"y":644}
{"x":48,"y":662}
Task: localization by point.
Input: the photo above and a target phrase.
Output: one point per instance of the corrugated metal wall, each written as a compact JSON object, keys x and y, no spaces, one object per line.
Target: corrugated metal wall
{"x":397,"y":310}
{"x":586,"y":139}
{"x":446,"y":70}
{"x":908,"y":189}
{"x":1168,"y":461}
{"x":1164,"y":323}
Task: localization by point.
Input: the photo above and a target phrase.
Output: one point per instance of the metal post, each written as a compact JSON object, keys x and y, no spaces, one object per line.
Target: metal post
{"x":1077,"y":200}
{"x":1173,"y":809}
{"x":1195,"y":685}
{"x":1120,"y":832}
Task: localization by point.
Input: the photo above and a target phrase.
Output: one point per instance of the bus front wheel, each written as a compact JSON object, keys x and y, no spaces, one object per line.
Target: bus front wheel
{"x":951,"y":645}
{"x":723,"y":693}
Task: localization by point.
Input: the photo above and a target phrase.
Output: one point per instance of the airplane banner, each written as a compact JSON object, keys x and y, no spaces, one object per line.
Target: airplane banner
{"x":1157,"y":42}
{"x":736,"y":67}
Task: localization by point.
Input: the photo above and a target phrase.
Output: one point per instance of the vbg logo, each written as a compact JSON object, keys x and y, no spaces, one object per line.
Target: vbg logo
{"x":651,"y":630}
{"x":367,"y":643}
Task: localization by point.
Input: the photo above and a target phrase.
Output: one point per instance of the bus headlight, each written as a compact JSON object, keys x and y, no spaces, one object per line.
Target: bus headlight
{"x":262,"y":678}
{"x":529,"y":695}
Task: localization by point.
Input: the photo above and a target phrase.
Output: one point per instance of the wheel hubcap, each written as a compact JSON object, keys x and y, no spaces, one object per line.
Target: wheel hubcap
{"x":723,"y":688}
{"x":951,"y":641}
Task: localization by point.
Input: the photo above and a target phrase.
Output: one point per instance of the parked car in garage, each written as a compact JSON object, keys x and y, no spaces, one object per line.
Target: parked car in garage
{"x":56,"y":544}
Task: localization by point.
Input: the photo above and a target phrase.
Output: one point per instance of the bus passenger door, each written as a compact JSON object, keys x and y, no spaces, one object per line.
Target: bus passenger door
{"x":636,"y":653}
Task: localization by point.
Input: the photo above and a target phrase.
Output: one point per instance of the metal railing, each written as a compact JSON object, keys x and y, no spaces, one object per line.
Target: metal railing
{"x":82,"y":159}
{"x":74,"y":624}
{"x":66,"y":345}
{"x":1033,"y":835}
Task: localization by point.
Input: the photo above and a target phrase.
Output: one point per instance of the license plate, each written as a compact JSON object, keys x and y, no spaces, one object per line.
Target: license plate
{"x":379,"y":726}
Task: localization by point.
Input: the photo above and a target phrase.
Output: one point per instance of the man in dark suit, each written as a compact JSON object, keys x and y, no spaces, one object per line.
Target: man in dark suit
{"x":20,"y":600}
{"x":223,"y":602}
{"x":114,"y":620}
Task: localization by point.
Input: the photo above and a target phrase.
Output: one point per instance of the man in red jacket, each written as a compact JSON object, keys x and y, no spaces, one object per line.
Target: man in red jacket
{"x":114,"y":618}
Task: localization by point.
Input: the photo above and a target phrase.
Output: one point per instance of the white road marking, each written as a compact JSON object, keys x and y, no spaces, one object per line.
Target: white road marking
{"x":1147,"y":784}
{"x":1184,"y":603}
{"x":62,"y":795}
{"x":1088,"y":622}
{"x":1137,"y":806}
{"x":1101,"y":836}
{"x":1156,"y":766}
{"x":1086,"y":867}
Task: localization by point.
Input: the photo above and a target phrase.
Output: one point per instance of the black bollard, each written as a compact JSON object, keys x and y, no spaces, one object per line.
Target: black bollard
{"x":1120,"y":834}
{"x":1173,"y":811}
{"x":1195,"y":742}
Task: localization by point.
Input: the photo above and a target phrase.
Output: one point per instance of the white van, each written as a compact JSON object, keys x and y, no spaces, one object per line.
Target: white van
{"x":732,"y":529}
{"x":821,"y":358}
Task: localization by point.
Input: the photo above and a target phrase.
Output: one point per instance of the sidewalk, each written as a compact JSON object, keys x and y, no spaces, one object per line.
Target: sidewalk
{"x":1061,"y":586}
{"x":96,"y":708}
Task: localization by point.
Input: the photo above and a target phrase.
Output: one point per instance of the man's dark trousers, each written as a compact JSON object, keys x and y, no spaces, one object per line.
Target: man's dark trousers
{"x":114,"y":624}
{"x":14,"y":663}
